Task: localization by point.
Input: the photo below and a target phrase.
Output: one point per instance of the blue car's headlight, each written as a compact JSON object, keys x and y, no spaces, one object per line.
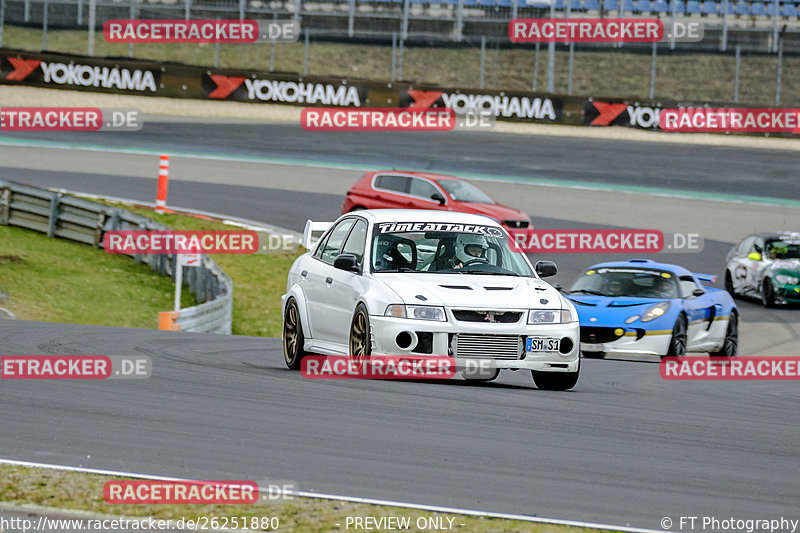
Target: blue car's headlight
{"x":654,"y":312}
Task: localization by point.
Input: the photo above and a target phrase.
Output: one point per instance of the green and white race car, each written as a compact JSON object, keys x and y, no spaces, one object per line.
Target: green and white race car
{"x":767,"y":266}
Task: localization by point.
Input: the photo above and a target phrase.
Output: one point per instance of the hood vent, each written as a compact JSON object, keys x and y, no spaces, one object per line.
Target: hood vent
{"x":583,"y":303}
{"x":499,"y":288}
{"x":457,"y":287}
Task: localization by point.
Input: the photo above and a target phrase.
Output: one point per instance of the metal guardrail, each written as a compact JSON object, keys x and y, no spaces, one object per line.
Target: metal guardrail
{"x":67,"y":217}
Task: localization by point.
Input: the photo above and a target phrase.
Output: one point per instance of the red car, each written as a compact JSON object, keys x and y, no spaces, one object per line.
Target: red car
{"x":417,"y":190}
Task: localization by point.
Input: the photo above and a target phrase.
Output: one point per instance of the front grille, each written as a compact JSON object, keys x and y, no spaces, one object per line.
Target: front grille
{"x":516,"y":223}
{"x":488,"y":346}
{"x":503,"y":317}
{"x":596,"y":335}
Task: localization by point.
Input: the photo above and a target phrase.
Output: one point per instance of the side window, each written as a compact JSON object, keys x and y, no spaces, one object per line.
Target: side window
{"x":422,"y":188}
{"x":745,"y":246}
{"x":687,"y":286}
{"x":758,"y":246}
{"x":392,"y":183}
{"x":357,"y":240}
{"x":329,"y":249}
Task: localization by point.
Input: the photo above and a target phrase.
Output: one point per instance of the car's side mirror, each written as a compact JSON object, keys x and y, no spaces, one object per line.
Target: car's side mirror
{"x":545,"y":269}
{"x":436,"y":197}
{"x":698,"y":292}
{"x":346,"y":262}
{"x":755,"y":256}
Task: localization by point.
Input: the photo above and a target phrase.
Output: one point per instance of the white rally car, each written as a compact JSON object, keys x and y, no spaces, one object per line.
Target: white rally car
{"x":413,"y":282}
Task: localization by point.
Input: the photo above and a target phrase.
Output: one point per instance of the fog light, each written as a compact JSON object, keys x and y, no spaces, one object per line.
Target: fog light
{"x":565,"y":346}
{"x":619,"y":332}
{"x":404,"y":340}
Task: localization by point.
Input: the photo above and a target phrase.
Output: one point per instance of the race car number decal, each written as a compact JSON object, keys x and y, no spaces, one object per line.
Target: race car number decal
{"x":541,"y":344}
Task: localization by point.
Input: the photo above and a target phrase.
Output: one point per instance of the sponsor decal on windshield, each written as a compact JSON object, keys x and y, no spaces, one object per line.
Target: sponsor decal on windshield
{"x":406,"y":227}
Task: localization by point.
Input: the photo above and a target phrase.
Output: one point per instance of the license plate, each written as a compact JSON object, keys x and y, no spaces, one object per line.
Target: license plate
{"x":541,"y":344}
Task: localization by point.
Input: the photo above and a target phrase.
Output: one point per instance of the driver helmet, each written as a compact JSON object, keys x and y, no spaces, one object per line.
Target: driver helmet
{"x":614,"y":288}
{"x":663,"y":286}
{"x":776,"y":251}
{"x":471,"y":247}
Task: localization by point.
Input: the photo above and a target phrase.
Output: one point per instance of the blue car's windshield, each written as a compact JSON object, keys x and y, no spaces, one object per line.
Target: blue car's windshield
{"x":624,"y":281}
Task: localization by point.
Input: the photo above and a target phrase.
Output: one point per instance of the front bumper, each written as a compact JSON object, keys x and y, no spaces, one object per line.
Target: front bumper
{"x":632,"y":341}
{"x":385,"y":331}
{"x":787,"y":294}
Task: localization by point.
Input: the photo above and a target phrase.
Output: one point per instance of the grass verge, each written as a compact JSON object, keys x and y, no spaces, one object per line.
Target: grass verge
{"x":258,"y":280}
{"x":71,"y":490}
{"x":61,"y":281}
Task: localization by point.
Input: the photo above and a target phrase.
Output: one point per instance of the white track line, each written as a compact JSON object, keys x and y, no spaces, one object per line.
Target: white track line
{"x":352,"y":499}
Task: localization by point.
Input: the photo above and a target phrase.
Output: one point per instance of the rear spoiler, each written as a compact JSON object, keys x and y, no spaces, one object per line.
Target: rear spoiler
{"x":312,"y":228}
{"x":711,"y":278}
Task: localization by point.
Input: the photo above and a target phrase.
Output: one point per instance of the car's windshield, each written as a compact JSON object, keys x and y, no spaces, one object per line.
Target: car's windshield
{"x":783,"y":249}
{"x":445,"y":248}
{"x":639,"y":282}
{"x":461,"y":191}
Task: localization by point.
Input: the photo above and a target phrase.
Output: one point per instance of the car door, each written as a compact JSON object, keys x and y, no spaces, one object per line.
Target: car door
{"x":391,"y":191}
{"x":318,"y":279}
{"x":425,"y":195}
{"x":740,"y":265}
{"x":699,"y":310}
{"x":345,"y":287}
{"x":755,"y":262}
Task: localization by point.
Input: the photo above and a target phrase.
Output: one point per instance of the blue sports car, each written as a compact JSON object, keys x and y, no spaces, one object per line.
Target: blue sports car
{"x":643,"y":307}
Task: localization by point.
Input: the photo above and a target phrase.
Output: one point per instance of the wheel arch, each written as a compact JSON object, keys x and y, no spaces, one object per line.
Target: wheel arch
{"x":296,"y":293}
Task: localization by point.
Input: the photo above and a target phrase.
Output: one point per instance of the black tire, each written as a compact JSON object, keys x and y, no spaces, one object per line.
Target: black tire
{"x":293,"y":339}
{"x":730,"y":346}
{"x":677,"y":343}
{"x":360,"y":341}
{"x":729,"y":284}
{"x":556,"y":380}
{"x":481,"y":380}
{"x":593,"y":355}
{"x":767,"y":294}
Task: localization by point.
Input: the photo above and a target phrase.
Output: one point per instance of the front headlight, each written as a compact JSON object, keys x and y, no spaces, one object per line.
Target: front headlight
{"x":549,"y":316}
{"x":654,"y":312}
{"x":786,"y":280}
{"x":419,"y":312}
